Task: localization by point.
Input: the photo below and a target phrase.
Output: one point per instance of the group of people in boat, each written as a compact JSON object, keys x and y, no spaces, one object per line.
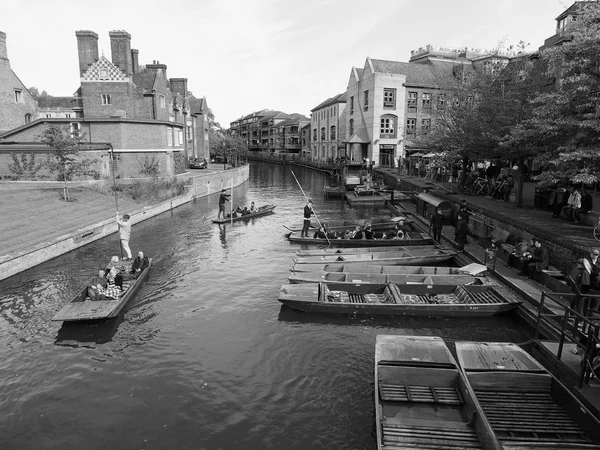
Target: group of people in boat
{"x":239,"y":211}
{"x":400,"y":231}
{"x":108,"y":284}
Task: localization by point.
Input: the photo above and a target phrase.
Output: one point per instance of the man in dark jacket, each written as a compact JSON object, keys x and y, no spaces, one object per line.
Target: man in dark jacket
{"x":461,"y":232}
{"x":436,"y":224}
{"x":139,"y":264}
{"x":538,"y":260}
{"x":308,"y":211}
{"x":587,"y":203}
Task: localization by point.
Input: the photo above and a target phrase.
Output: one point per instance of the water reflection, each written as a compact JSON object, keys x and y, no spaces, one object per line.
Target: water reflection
{"x":77,"y":334}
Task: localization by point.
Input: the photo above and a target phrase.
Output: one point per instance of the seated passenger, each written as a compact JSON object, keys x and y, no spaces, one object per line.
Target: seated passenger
{"x":238,"y":209}
{"x":401,"y":226}
{"x":358,"y":234}
{"x":112,"y":290}
{"x":139,"y":264}
{"x":332,"y":234}
{"x":369,"y":232}
{"x":97,"y":283}
{"x":252,"y":207}
{"x":320,"y":234}
{"x":245,"y":211}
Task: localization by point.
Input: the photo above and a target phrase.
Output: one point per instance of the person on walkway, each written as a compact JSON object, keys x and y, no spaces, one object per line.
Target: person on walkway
{"x":592,"y":263}
{"x":461,"y":232}
{"x":139,"y":264}
{"x":435,"y":223}
{"x":125,"y":233}
{"x":579,"y":279}
{"x":224,"y":197}
{"x":536,"y":261}
{"x":308,"y":211}
{"x":587,"y":204}
{"x":463,"y":211}
{"x":573,"y":203}
{"x":508,"y":187}
{"x":522,"y":248}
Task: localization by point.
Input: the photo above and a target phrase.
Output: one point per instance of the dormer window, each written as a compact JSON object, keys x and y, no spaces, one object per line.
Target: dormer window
{"x":103,"y":74}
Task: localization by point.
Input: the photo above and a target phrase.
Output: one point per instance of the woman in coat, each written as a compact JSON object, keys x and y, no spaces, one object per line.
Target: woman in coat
{"x":461,"y":232}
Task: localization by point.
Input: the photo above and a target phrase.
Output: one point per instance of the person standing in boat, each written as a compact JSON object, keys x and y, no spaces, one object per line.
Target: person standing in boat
{"x":125,"y":233}
{"x":252,"y":207}
{"x":222,"y":199}
{"x":308,"y":211}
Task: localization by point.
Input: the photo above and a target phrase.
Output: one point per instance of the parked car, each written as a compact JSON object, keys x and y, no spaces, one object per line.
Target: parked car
{"x":198,"y":163}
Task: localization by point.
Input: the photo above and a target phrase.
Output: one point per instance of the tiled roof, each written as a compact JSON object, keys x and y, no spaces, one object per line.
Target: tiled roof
{"x":197,"y":105}
{"x":421,"y":74}
{"x":103,"y":70}
{"x":55,"y":102}
{"x":360,"y":137}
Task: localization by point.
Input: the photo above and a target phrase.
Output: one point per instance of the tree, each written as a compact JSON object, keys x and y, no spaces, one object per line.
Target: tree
{"x":231,"y":148}
{"x":564,"y":126}
{"x":35,"y":93}
{"x":66,"y":146}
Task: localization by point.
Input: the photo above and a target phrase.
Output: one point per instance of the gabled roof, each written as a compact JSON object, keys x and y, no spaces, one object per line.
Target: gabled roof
{"x":145,"y":79}
{"x":103,"y":70}
{"x":340,"y":98}
{"x":571,"y":10}
{"x":359,"y":137}
{"x":197,"y":105}
{"x":421,"y":74}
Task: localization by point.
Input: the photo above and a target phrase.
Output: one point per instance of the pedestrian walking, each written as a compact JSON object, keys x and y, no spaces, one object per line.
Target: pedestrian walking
{"x":460,"y":233}
{"x":435,"y":224}
{"x":124,"y":234}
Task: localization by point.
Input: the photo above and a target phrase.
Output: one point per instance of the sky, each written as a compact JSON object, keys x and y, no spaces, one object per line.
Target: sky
{"x":249,"y":55}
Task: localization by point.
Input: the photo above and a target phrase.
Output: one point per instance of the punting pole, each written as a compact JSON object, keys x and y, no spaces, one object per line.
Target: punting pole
{"x":231,"y":204}
{"x":318,"y":221}
{"x":112,"y":171}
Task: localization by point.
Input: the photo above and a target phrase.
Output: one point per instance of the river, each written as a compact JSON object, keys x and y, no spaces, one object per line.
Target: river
{"x":204,"y":357}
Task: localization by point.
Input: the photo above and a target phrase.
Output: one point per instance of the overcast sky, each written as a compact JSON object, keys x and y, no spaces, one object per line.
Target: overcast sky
{"x":247,"y":55}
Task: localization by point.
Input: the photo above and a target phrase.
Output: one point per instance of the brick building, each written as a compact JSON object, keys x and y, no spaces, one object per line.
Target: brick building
{"x":328,"y":124}
{"x":17,"y":106}
{"x":149,"y":119}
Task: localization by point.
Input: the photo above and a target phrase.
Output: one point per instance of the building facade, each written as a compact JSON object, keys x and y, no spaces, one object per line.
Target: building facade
{"x":328,"y":129}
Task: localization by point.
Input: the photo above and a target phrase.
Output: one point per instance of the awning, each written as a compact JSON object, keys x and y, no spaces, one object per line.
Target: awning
{"x":360,"y":137}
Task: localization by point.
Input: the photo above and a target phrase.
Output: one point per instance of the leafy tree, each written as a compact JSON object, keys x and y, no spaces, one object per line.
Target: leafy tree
{"x":231,"y":148}
{"x":66,"y":146}
{"x":35,"y":93}
{"x":24,"y":167}
{"x":564,"y":126}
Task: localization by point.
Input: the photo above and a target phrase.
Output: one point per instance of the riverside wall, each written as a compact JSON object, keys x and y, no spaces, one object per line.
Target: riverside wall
{"x":198,"y":186}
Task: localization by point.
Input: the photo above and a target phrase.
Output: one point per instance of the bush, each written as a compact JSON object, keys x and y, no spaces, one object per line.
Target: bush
{"x":149,"y":166}
{"x":153,"y":191}
{"x":179,"y":162}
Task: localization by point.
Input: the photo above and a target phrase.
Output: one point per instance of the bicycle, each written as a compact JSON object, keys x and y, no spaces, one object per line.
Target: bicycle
{"x":479,"y":186}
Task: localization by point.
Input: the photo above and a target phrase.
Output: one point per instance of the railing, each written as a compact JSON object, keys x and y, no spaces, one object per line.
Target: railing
{"x":587,"y":338}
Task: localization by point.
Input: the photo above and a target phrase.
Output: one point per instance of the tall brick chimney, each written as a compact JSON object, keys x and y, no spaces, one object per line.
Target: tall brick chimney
{"x":135,"y":65}
{"x":87,"y":48}
{"x":179,"y":85}
{"x":120,"y":48}
{"x":156,"y":66}
{"x":3,"y":50}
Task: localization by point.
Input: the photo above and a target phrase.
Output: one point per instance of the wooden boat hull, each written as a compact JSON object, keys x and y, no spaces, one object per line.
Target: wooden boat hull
{"x":79,"y":309}
{"x":422,"y":399}
{"x":343,"y":225}
{"x":262,"y":211}
{"x":398,"y":300}
{"x":379,"y":269}
{"x":408,"y":258}
{"x":414,"y":238}
{"x":526,"y":406}
{"x":370,"y":278}
{"x":360,"y":250}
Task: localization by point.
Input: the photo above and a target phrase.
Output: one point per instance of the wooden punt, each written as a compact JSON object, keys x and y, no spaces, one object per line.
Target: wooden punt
{"x":412,"y":238}
{"x":79,"y":309}
{"x":398,"y":300}
{"x":422,"y":400}
{"x":388,"y":270}
{"x":415,"y":257}
{"x":377,"y":224}
{"x":376,"y":278}
{"x":527,"y":407}
{"x":356,"y":250}
{"x":261,"y":211}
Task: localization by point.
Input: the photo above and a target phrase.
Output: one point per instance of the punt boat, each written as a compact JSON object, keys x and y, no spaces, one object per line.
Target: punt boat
{"x":79,"y":309}
{"x":411,"y":238}
{"x":261,"y":211}
{"x":354,"y":250}
{"x":422,"y":399}
{"x":415,"y":257}
{"x":376,"y":278}
{"x":398,"y":300}
{"x":527,"y":407}
{"x":388,"y":270}
{"x":377,"y":224}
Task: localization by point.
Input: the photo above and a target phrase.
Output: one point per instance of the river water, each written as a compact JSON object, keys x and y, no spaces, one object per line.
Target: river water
{"x":204,"y":357}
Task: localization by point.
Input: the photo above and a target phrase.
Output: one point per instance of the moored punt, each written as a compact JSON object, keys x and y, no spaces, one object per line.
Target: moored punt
{"x":398,"y":300}
{"x":411,"y":238}
{"x":422,"y":400}
{"x":354,"y":250}
{"x":381,"y":269}
{"x":526,"y":406}
{"x":409,"y":257}
{"x":261,"y":211}
{"x":377,"y":224}
{"x":79,"y":309}
{"x":372,"y":278}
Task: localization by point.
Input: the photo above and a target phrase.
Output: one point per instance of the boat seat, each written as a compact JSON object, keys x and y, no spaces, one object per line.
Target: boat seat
{"x":420,"y":394}
{"x":398,"y":436}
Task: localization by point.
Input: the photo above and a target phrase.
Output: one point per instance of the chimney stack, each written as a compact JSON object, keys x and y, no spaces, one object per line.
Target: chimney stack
{"x":156,"y":67}
{"x":87,"y":48}
{"x":120,"y":47}
{"x":135,"y":65}
{"x":3,"y":50}
{"x":179,"y":85}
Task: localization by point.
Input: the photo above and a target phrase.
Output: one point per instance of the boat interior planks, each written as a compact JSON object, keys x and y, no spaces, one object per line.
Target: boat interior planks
{"x":526,"y":406}
{"x":390,"y":258}
{"x":381,"y":269}
{"x":411,"y":238}
{"x":375,"y":278}
{"x":352,"y":250}
{"x":422,"y":400}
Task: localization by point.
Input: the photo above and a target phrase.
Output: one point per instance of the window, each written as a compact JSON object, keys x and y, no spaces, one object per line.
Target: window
{"x":169,"y":137}
{"x":18,"y":96}
{"x":426,"y":125}
{"x":366,"y":100}
{"x":387,"y":127}
{"x":412,"y":99}
{"x":323,"y":134}
{"x":48,"y":116}
{"x":75,"y":129}
{"x":389,"y":97}
{"x":68,"y":115}
{"x":332,"y":133}
{"x":352,"y":105}
{"x":27,"y":118}
{"x":351,"y":127}
{"x":315,"y":134}
{"x":426,"y":100}
{"x":162,"y":101}
{"x":105,"y":99}
{"x":441,"y":101}
{"x":189,"y":133}
{"x":410,"y":126}
{"x":180,"y":136}
{"x":103,"y":74}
